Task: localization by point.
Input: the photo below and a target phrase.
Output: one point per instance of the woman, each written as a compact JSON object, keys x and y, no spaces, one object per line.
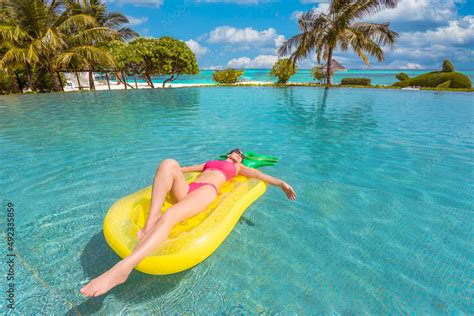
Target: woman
{"x":191,"y":199}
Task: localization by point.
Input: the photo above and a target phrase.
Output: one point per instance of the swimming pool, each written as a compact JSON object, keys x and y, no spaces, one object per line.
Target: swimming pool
{"x":382,"y":223}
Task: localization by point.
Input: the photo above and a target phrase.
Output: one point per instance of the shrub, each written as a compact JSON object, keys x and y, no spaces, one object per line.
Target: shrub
{"x":447,"y":66}
{"x":402,"y":76}
{"x":228,"y":75}
{"x":434,"y":78}
{"x":320,"y":73}
{"x":4,"y":83}
{"x":283,"y":69}
{"x":356,"y":81}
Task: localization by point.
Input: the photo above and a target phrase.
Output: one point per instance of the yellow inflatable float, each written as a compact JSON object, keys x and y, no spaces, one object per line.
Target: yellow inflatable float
{"x":191,"y":241}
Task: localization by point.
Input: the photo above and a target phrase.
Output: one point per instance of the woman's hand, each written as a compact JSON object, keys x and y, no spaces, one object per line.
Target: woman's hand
{"x":290,"y":193}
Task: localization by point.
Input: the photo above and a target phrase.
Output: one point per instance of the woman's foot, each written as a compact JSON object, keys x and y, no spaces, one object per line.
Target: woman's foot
{"x":116,"y":275}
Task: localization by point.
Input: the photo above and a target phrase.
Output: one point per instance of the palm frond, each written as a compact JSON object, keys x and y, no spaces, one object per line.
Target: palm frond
{"x":94,"y":35}
{"x":114,"y":20}
{"x":94,"y":55}
{"x":13,"y":56}
{"x":360,"y":9}
{"x":52,"y":39}
{"x":127,"y":33}
{"x":379,"y":33}
{"x":77,"y":22}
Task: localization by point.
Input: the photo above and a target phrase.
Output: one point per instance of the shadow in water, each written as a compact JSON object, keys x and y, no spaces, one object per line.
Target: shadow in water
{"x":98,"y":257}
{"x":245,"y":220}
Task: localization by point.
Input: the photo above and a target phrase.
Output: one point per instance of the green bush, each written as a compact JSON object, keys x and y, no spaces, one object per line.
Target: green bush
{"x":4,"y":83}
{"x":447,"y":66}
{"x":402,"y":76}
{"x":228,"y":75}
{"x":356,"y":81}
{"x":444,"y":84}
{"x":434,"y":78}
{"x":319,"y":73}
{"x":283,"y":69}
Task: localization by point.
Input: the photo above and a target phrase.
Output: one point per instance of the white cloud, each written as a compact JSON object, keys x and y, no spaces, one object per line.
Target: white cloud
{"x":261,"y":61}
{"x":279,"y":40}
{"x":218,"y":67}
{"x":132,"y":21}
{"x":196,"y":47}
{"x":457,"y":32}
{"x":417,"y":10}
{"x":228,"y":34}
{"x":402,"y":64}
{"x":406,"y":10}
{"x":234,"y":1}
{"x":296,"y":15}
{"x":138,"y":3}
{"x":313,"y":1}
{"x":323,"y":7}
{"x":428,"y":48}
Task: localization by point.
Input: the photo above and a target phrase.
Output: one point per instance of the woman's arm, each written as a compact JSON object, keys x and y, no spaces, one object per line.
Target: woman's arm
{"x":192,"y":168}
{"x":254,"y":173}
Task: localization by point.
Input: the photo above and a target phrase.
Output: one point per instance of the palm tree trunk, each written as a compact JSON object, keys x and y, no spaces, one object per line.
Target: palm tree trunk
{"x":107,"y":78}
{"x":329,"y":70}
{"x":91,"y":79}
{"x":60,"y":81}
{"x":14,"y":85}
{"x":78,"y":81}
{"x":54,"y":80}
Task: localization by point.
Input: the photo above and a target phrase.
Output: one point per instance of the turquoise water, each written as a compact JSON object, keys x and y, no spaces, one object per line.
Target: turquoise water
{"x":382,"y":223}
{"x":378,"y":76}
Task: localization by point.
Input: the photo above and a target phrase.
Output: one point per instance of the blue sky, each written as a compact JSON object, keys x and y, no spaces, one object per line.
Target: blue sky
{"x":245,"y":33}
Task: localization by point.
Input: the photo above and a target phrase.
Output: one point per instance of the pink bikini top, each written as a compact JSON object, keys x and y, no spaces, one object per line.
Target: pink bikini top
{"x":226,"y":167}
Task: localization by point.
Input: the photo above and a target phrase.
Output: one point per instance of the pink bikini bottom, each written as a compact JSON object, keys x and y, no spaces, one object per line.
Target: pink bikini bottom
{"x":194,"y":185}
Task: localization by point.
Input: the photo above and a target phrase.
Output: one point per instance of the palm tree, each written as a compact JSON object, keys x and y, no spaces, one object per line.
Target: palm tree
{"x":110,"y":20}
{"x":49,"y":36}
{"x":98,"y":10}
{"x":14,"y":47}
{"x":82,"y":48}
{"x":324,"y":32}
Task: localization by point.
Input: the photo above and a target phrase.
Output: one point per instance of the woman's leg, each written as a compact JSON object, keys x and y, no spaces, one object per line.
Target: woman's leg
{"x":194,"y":203}
{"x":168,"y":177}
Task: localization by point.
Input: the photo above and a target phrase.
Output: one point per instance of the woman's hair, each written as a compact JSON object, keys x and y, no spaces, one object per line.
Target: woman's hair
{"x":237,"y":150}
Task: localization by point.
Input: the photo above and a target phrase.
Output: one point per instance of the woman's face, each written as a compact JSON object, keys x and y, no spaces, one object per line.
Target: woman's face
{"x":235,"y":157}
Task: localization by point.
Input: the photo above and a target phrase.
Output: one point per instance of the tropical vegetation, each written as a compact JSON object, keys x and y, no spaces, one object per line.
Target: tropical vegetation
{"x":355,"y":81}
{"x":148,"y":57}
{"x":283,"y":69}
{"x":40,"y":39}
{"x":446,"y":78}
{"x":325,"y":32}
{"x":402,"y":76}
{"x":320,"y":73}
{"x":227,"y":76}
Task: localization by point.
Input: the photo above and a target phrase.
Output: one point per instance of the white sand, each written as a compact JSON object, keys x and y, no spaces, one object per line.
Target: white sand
{"x":102,"y":85}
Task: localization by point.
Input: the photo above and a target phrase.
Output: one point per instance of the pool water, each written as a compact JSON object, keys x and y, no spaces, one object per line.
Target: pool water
{"x":382,"y":222}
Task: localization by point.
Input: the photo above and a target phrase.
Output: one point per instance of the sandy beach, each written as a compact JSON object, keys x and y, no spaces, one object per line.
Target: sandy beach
{"x":102,"y":85}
